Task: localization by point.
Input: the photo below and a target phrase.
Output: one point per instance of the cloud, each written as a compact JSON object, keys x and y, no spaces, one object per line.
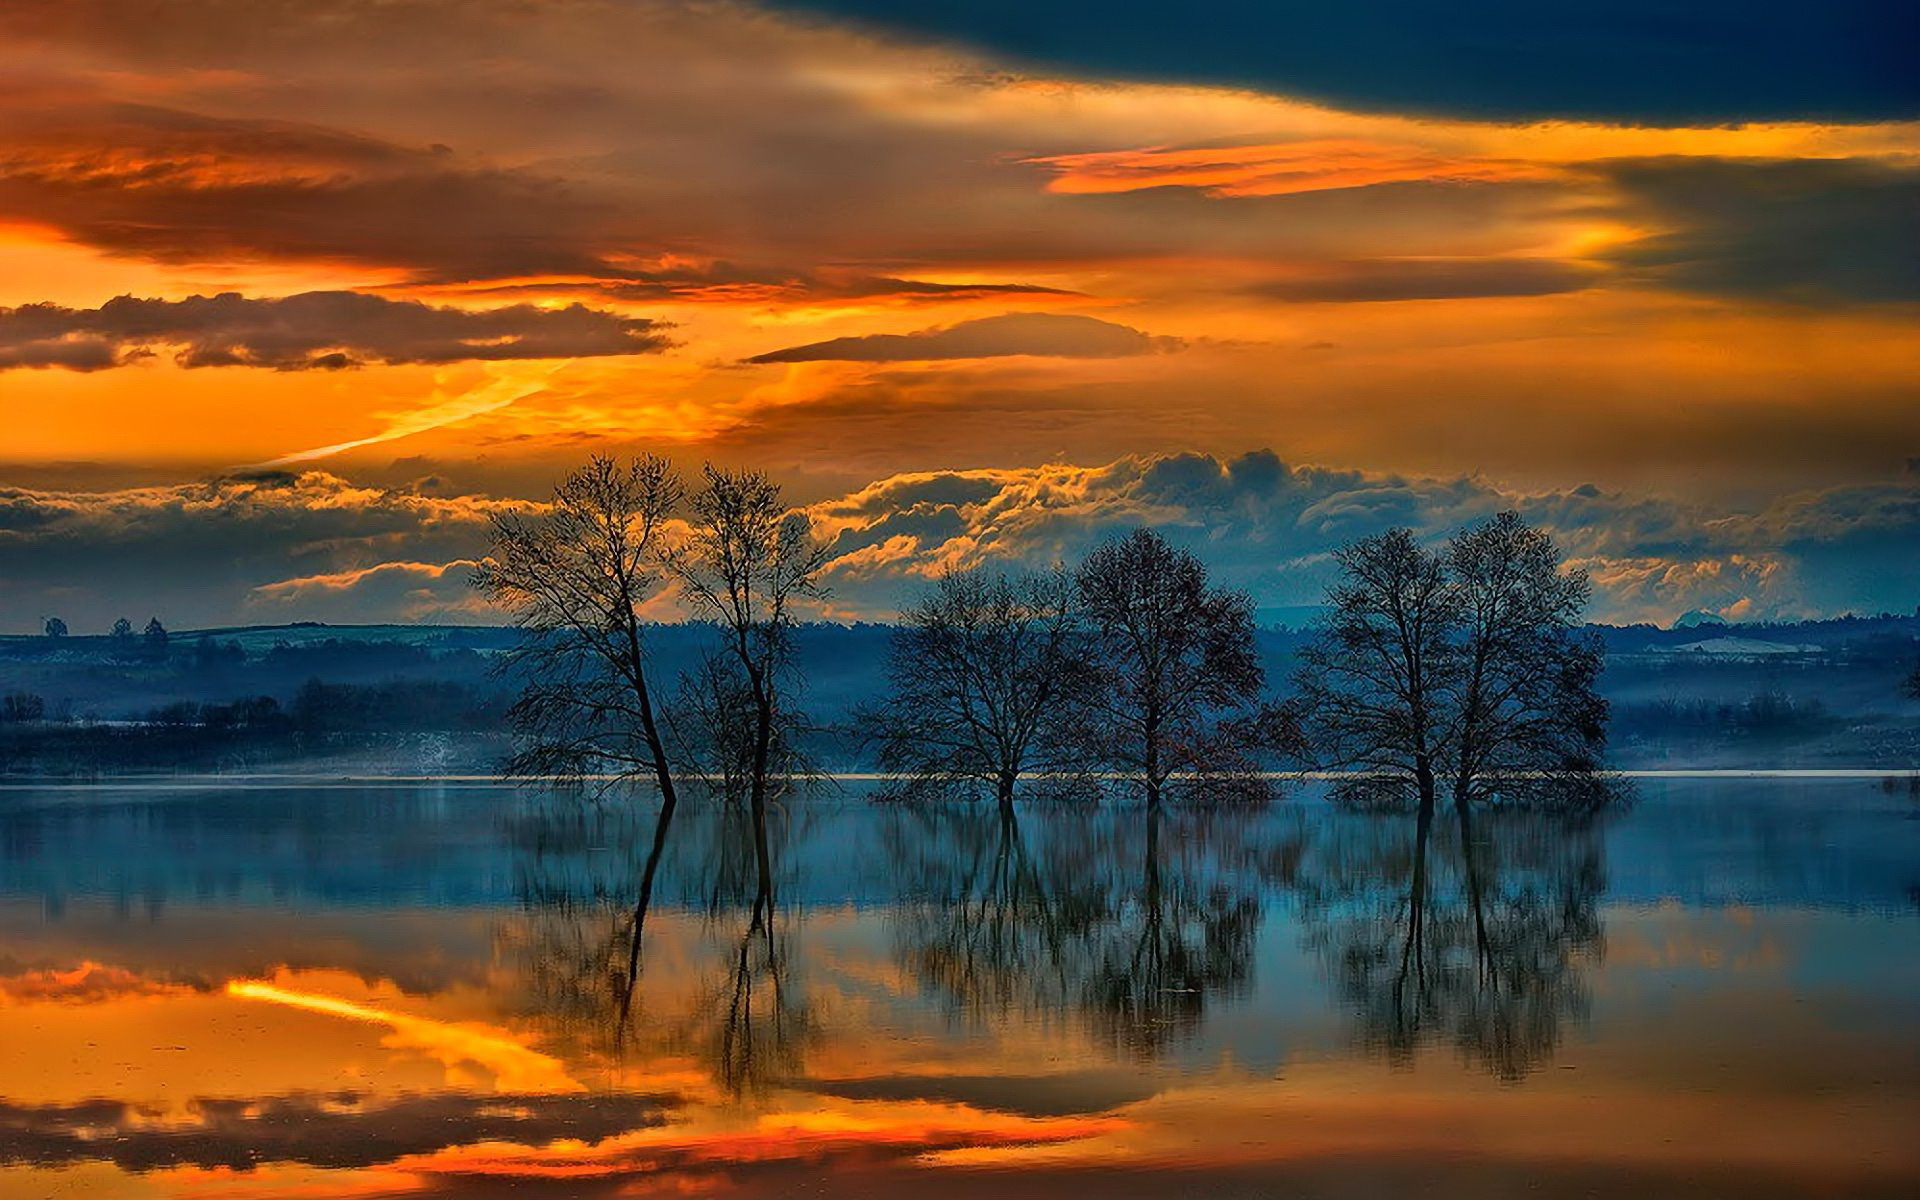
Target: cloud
{"x":1050,"y":335}
{"x":1269,"y":527}
{"x":284,"y":546}
{"x":1817,"y":232}
{"x":408,"y":591}
{"x":1278,"y":169}
{"x":336,"y":1130}
{"x":309,"y":331}
{"x":87,"y":983}
{"x":1431,"y":279}
{"x":1632,"y":61}
{"x":195,"y":553}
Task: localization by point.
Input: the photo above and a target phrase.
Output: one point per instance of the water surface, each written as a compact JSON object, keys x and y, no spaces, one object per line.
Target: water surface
{"x":221,"y":989}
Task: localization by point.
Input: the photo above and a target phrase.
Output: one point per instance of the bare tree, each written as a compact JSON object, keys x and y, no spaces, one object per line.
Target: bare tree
{"x":978,"y":672}
{"x":575,"y":581}
{"x":1528,"y":716}
{"x":743,"y":566}
{"x":1377,"y":680}
{"x":1461,"y":670}
{"x":1177,"y":679}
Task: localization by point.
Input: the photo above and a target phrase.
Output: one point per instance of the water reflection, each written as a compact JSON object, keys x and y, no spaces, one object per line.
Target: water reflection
{"x":1478,"y":932}
{"x":1134,"y":923}
{"x":605,"y":995}
{"x":1133,"y":920}
{"x":582,"y":943}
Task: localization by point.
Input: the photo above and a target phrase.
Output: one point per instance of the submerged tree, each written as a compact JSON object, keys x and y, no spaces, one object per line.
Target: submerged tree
{"x":576,"y":581}
{"x":1376,"y":679}
{"x":746,"y":563}
{"x":1176,"y":678}
{"x":1529,"y":718}
{"x":1459,"y":671}
{"x":980,"y":673}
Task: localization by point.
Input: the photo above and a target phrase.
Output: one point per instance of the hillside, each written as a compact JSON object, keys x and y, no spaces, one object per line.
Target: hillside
{"x":408,"y":697}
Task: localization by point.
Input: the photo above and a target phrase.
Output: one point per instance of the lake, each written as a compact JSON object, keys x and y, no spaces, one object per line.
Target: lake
{"x":271,"y":988}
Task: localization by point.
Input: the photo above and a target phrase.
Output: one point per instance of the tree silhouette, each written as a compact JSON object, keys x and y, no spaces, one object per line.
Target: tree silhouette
{"x":1376,"y":678}
{"x":1175,"y":679}
{"x":56,"y":628}
{"x":982,"y":671}
{"x":1529,"y":720}
{"x":1459,"y":670}
{"x":154,"y":639}
{"x":575,"y":582}
{"x":744,"y":565}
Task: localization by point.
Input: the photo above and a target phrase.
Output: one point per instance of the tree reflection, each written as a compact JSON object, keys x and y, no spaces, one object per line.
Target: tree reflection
{"x":588,"y":881}
{"x":1476,"y":932}
{"x":1135,"y":922}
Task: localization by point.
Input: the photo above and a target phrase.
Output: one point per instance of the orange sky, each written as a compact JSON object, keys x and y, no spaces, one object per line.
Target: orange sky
{"x":946,"y":261}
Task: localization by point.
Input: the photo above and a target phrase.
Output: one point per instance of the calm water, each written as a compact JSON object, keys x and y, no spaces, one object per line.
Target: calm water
{"x":426,"y":989}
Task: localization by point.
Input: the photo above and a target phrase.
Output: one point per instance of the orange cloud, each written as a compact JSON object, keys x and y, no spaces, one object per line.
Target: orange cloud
{"x":780,"y":1138}
{"x":1279,"y":169}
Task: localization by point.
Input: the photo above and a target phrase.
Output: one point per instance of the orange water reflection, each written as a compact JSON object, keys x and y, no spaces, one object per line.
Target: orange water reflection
{"x":1069,"y":1005}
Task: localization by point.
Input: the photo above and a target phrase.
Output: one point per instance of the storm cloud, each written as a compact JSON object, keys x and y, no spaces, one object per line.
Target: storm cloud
{"x":1629,"y":60}
{"x":312,"y":330}
{"x":1816,"y":232}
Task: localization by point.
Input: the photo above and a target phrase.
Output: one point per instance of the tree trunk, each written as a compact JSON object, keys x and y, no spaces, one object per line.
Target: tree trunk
{"x":757,"y":786}
{"x":661,"y":825}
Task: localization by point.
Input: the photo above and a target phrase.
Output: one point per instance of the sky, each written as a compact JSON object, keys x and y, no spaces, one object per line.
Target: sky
{"x":295,"y":295}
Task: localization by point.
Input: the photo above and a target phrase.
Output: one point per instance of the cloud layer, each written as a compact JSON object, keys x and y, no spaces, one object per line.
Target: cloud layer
{"x":312,"y":330}
{"x":1628,"y":60}
{"x":314,"y":546}
{"x":1049,"y":335}
{"x":1270,"y":527}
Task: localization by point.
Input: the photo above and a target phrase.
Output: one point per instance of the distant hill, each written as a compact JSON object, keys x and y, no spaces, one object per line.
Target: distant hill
{"x":1750,"y":694}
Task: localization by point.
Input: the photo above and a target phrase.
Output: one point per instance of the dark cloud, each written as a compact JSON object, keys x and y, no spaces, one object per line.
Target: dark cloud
{"x":1432,"y":279}
{"x":1269,"y":526}
{"x":336,"y":1131}
{"x":1052,"y":335}
{"x":728,"y":282}
{"x":194,"y":554}
{"x":179,"y":186}
{"x":1816,"y":231}
{"x":1066,"y":1094}
{"x":1650,"y":61}
{"x":309,"y":331}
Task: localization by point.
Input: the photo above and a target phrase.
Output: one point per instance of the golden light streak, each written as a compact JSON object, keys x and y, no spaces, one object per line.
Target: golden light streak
{"x":509,"y":386}
{"x":516,"y":1066}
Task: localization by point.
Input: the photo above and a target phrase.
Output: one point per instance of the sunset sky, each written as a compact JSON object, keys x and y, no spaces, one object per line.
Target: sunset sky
{"x":294,"y":294}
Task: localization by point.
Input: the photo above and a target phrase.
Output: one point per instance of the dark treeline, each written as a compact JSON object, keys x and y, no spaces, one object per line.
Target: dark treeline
{"x":1768,"y":713}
